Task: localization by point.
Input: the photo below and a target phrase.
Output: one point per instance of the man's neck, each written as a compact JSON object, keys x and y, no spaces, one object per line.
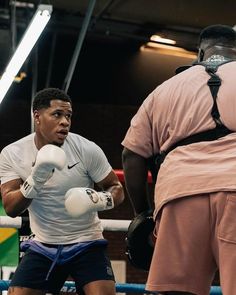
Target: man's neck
{"x":220,"y":52}
{"x":217,"y":58}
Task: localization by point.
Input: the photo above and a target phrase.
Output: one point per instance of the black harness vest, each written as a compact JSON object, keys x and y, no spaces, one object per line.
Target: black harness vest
{"x":220,"y":130}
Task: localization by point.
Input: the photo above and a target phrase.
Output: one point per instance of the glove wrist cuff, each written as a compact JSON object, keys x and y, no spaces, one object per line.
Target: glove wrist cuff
{"x":27,"y":189}
{"x":107,"y":200}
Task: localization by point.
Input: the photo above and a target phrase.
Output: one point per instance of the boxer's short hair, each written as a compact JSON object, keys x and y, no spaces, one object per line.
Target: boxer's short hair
{"x":44,"y":97}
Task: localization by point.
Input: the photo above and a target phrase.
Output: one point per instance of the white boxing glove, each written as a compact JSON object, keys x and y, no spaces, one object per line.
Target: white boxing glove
{"x":48,"y":158}
{"x":82,"y":200}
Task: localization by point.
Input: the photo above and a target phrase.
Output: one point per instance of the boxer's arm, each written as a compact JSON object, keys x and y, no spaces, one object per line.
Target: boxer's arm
{"x":112,"y":184}
{"x":135,"y":171}
{"x":13,"y":201}
{"x":17,"y":195}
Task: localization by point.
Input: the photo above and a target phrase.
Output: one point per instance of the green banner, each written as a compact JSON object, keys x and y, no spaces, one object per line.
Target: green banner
{"x":9,"y":244}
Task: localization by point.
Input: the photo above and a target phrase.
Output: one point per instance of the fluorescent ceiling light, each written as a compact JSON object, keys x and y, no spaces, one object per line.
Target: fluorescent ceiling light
{"x":168,"y":50}
{"x":157,"y":38}
{"x":34,"y":30}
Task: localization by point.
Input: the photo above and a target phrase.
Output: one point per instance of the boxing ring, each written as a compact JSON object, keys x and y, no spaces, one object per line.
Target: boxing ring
{"x":69,"y":286}
{"x":108,"y":225}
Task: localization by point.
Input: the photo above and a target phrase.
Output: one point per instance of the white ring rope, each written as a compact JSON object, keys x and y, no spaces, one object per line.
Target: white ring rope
{"x":6,"y":221}
{"x":107,"y":224}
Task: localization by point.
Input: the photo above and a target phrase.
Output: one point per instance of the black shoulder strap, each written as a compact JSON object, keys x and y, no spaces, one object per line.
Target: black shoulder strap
{"x":214,"y":84}
{"x":219,"y":131}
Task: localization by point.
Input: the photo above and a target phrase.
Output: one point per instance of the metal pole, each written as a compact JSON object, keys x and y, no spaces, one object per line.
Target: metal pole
{"x":49,"y":72}
{"x":77,"y":50}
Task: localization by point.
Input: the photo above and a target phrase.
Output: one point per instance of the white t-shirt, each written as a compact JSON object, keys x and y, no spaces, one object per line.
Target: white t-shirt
{"x":49,"y":219}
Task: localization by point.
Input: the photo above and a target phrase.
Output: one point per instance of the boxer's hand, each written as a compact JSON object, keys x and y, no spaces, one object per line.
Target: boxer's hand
{"x":82,"y":200}
{"x":48,"y":158}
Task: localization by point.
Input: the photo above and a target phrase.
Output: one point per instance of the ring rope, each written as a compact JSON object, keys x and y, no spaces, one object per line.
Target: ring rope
{"x":107,"y":224}
{"x":69,"y":286}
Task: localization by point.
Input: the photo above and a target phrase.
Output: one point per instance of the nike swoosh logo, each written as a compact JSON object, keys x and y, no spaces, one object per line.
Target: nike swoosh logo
{"x":71,"y":166}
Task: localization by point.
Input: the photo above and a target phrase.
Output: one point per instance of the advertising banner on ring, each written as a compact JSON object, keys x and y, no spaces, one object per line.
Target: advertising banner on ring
{"x":9,"y":244}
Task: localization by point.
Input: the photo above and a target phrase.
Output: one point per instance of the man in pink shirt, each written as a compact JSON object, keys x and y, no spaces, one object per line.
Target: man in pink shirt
{"x":190,"y":121}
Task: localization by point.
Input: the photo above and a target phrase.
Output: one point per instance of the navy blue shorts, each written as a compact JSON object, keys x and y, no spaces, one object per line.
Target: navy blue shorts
{"x":91,"y":265}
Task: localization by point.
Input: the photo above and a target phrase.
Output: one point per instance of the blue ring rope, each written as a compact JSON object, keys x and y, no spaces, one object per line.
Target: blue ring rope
{"x":69,"y":286}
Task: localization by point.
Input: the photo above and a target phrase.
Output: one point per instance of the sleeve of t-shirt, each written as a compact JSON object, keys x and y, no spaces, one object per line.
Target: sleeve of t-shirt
{"x":7,"y":172}
{"x":97,"y":163}
{"x":139,"y":135}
